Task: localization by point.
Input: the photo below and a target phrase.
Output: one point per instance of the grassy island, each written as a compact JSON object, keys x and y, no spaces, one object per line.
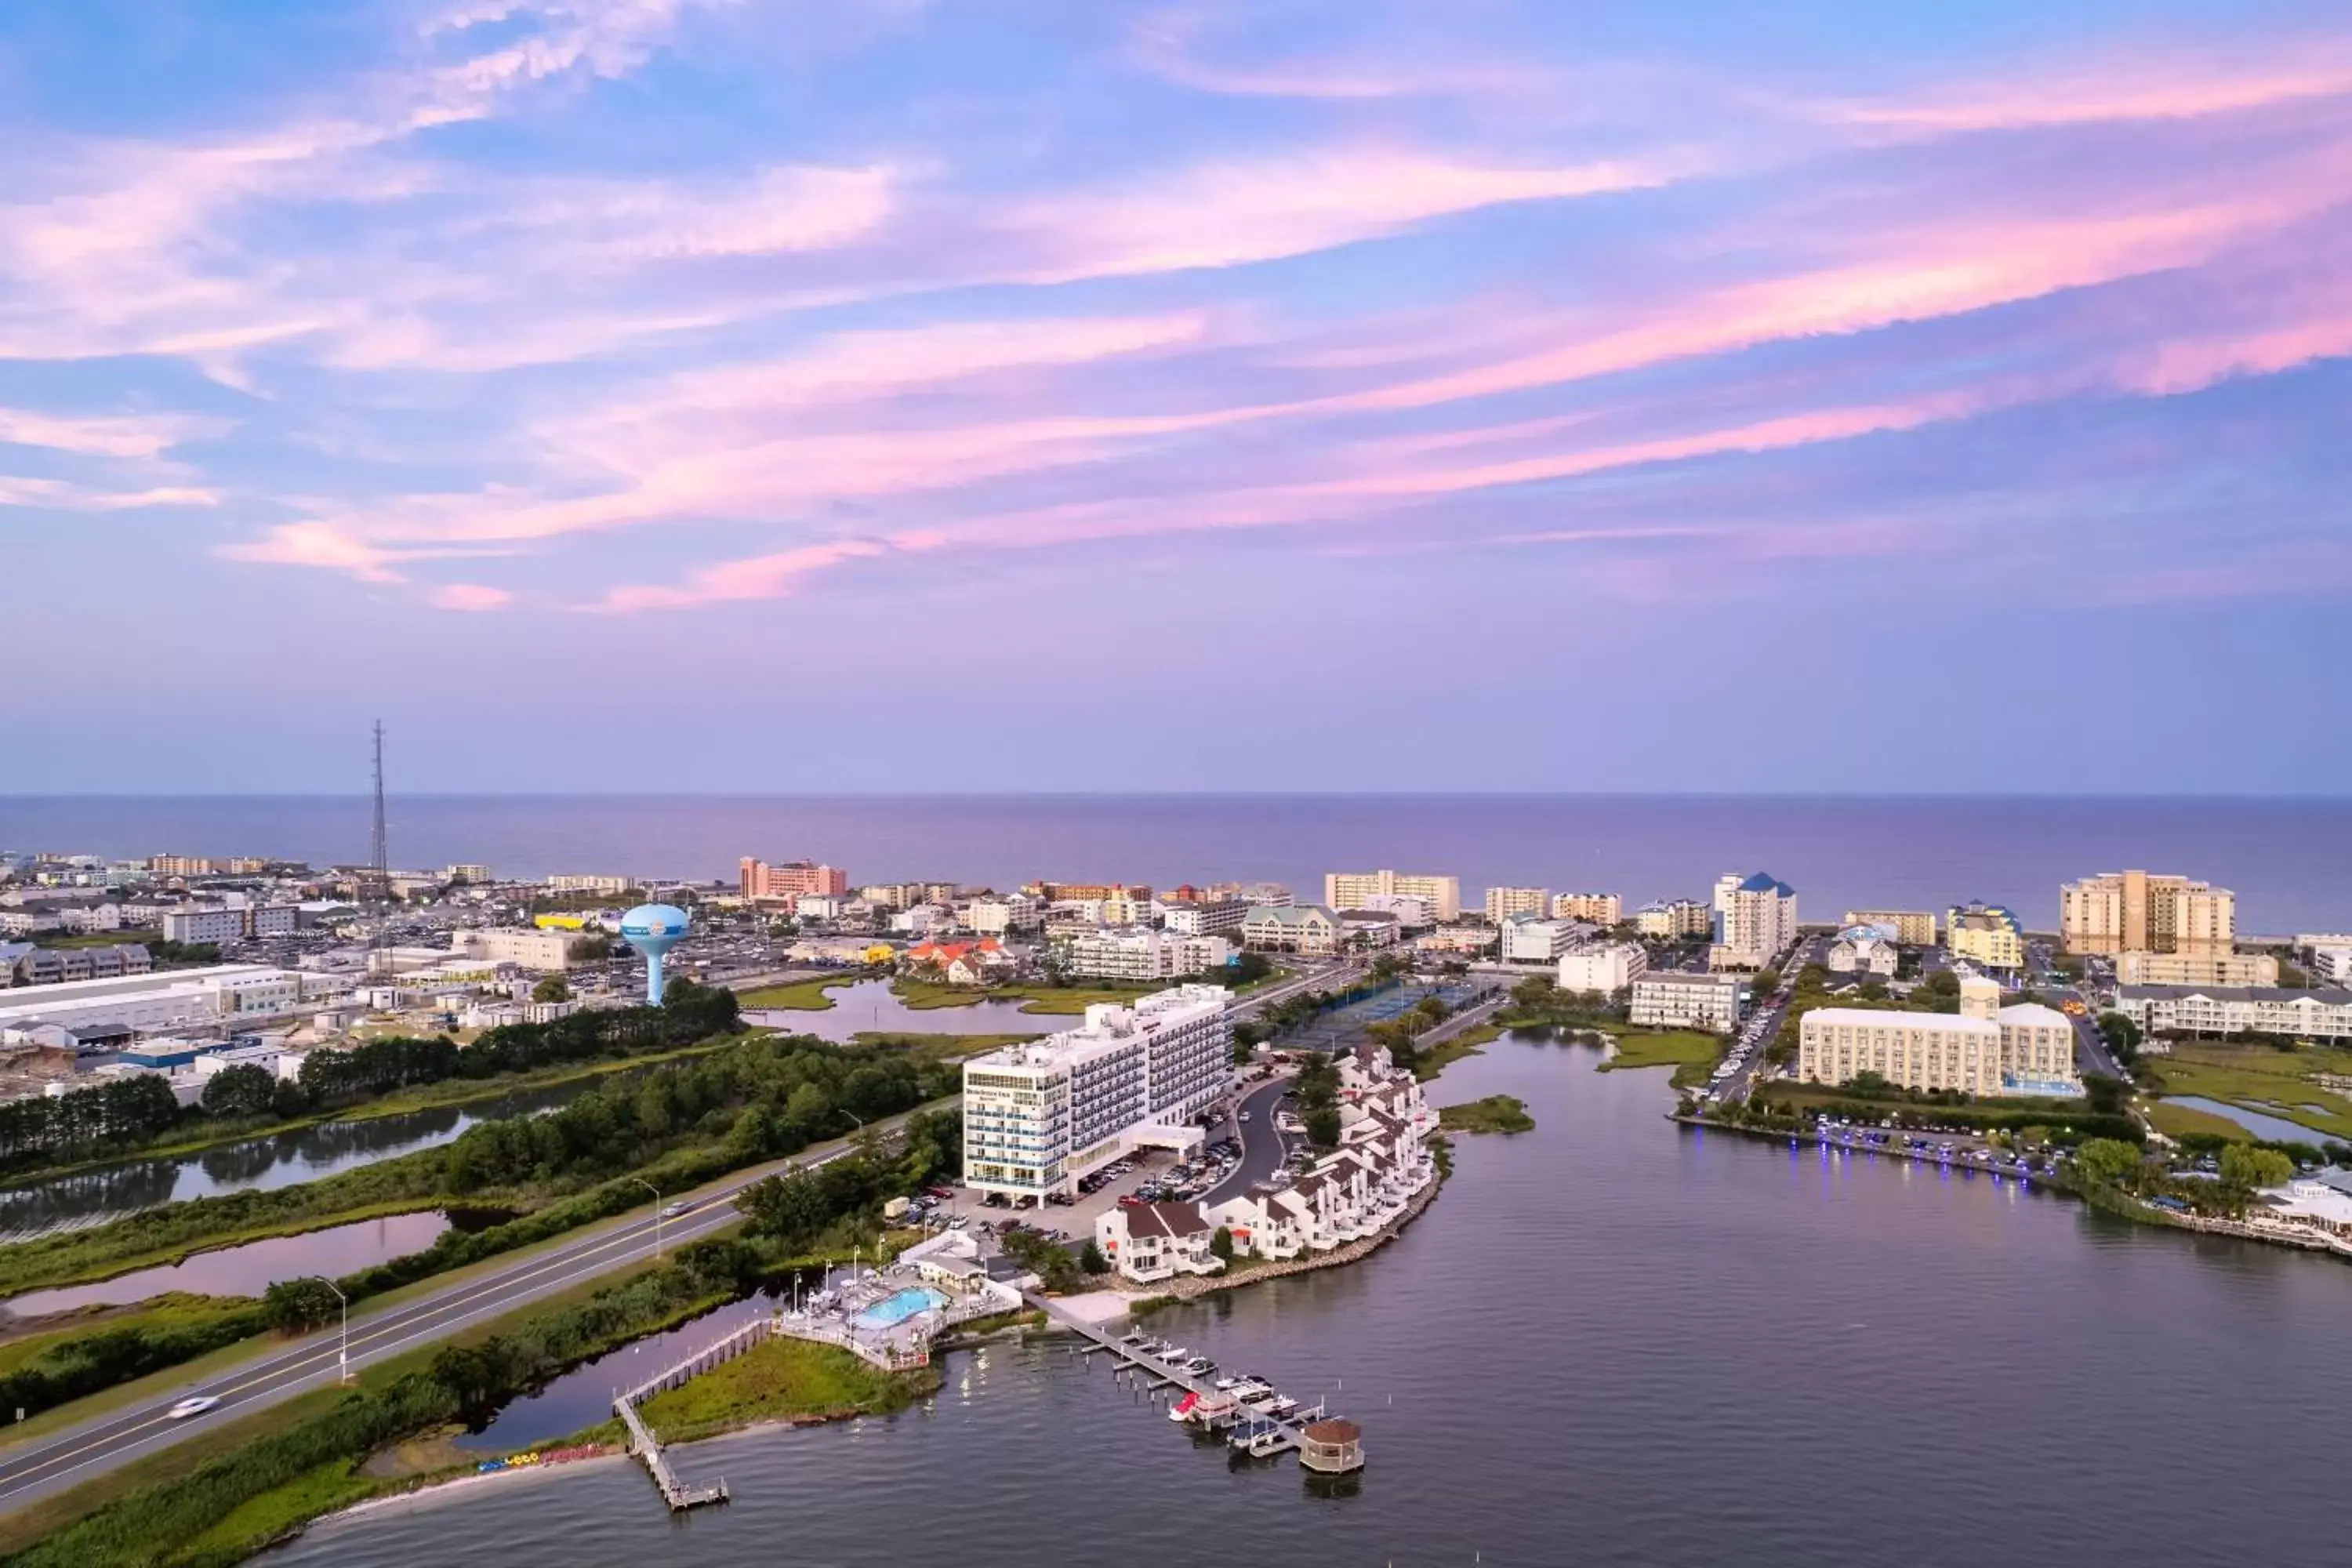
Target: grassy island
{"x":783,"y":1380}
{"x":1496,"y":1113}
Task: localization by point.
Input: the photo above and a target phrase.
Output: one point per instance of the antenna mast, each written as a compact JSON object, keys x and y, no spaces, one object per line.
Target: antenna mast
{"x":379,"y":875}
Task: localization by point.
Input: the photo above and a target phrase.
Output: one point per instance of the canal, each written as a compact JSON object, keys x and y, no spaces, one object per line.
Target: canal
{"x":279,"y":1160}
{"x":1610,"y":1341}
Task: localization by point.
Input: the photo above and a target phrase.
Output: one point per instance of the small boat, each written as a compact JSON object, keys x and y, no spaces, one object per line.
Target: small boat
{"x":1250,"y":1391}
{"x":1282,"y":1409}
{"x":1182,"y":1409}
{"x":1200,"y":1366}
{"x":1138,"y":1338}
{"x":1173,"y":1355}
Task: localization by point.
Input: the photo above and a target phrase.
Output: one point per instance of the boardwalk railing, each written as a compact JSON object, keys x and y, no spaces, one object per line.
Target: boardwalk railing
{"x":646,"y":1447}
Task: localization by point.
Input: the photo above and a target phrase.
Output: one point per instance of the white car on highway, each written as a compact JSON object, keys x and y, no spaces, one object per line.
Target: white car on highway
{"x":196,"y":1406}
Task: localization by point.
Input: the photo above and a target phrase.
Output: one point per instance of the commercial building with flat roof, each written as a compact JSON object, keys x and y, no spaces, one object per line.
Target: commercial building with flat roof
{"x":1669,"y":919}
{"x":1310,"y":929}
{"x":1985,"y":1048}
{"x":1678,"y":999}
{"x":755,"y":879}
{"x":1605,"y":967}
{"x":166,"y":1001}
{"x":1039,"y":1115}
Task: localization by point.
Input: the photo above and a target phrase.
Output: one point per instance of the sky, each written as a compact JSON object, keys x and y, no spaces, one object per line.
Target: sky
{"x":892,"y":396}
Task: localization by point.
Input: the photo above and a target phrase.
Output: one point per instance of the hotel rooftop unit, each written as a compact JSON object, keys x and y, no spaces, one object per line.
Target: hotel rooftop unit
{"x":1038,"y":1116}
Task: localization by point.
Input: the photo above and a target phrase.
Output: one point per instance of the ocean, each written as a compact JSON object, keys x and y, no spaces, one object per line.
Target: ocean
{"x":2290,"y":861}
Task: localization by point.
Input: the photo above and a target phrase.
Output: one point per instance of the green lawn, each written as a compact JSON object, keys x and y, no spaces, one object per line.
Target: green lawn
{"x":1496,"y":1113}
{"x":941,"y":1047}
{"x":1692,"y":1054}
{"x":801,"y":996}
{"x":782,"y":1379}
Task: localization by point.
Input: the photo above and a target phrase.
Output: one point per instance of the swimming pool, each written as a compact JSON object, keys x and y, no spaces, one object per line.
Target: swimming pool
{"x":892,"y":1311}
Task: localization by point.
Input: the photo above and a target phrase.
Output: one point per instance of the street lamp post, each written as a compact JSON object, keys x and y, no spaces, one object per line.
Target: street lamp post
{"x":657,"y":1213}
{"x":343,"y":1346}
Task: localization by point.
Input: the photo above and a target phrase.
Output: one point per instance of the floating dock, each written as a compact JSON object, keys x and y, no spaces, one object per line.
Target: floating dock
{"x":1252,"y":1432}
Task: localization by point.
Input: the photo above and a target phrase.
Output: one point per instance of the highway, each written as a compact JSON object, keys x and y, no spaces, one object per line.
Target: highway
{"x":30,"y":1471}
{"x":62,"y":1458}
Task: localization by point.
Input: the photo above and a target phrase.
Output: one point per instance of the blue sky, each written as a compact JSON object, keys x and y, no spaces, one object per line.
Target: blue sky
{"x":902,"y":395}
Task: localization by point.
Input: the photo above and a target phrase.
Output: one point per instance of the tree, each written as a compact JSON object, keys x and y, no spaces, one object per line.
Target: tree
{"x":2123,"y":1037}
{"x":2244,"y":1165}
{"x":1220,"y":1245}
{"x":2105,"y":1094}
{"x":295,"y":1306}
{"x":1091,"y":1260}
{"x":240,"y":1092}
{"x":1867,"y":1081}
{"x":2107,"y":1162}
{"x":1323,"y":1126}
{"x":1768,"y":980}
{"x":552,"y":989}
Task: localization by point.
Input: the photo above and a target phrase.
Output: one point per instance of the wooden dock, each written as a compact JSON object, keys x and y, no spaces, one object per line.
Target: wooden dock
{"x":1287,"y":1435}
{"x":646,"y":1447}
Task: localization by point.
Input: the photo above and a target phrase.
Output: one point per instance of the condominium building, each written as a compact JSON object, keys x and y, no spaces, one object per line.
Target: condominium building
{"x":1671,"y":919}
{"x":1604,"y":910}
{"x":1912,"y":927}
{"x":217,"y":924}
{"x":1039,"y":1115}
{"x":1064,"y":892}
{"x":1985,"y":1048}
{"x":1140,"y":952}
{"x":207,"y":865}
{"x":1504,"y":902}
{"x":1003,"y":916}
{"x":2238,"y":1010}
{"x":1985,"y":934}
{"x":2331,"y":962}
{"x":1754,"y":918}
{"x":21,"y":963}
{"x":1532,"y":939}
{"x":1207,"y":917}
{"x":2135,"y":912}
{"x":755,"y":879}
{"x":1356,"y":890}
{"x":607,"y":886}
{"x":2196,"y":969}
{"x":1306,"y":928}
{"x":473,"y":873}
{"x":1605,"y":967}
{"x":1678,"y":999}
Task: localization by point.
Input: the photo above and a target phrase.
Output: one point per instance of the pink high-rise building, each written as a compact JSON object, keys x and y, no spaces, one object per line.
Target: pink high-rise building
{"x":790,"y":880}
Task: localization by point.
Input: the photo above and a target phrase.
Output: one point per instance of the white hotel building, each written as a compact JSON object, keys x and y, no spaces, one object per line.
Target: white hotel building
{"x":1984,"y":1049}
{"x":1038,"y":1116}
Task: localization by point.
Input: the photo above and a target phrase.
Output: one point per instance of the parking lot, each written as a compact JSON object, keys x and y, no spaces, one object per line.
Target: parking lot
{"x":1147,"y":1174}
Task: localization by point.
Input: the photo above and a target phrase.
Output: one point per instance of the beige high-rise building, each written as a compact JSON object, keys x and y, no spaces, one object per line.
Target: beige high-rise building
{"x":1356,"y":890}
{"x":2133,"y":911}
{"x":1604,"y":910}
{"x":1502,"y":903}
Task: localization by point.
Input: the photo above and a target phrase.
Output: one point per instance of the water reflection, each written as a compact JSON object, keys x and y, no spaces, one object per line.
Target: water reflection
{"x":278,"y":1159}
{"x":870,"y":1006}
{"x":249,"y":1270}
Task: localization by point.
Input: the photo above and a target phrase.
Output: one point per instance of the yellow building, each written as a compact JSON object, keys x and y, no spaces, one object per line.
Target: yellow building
{"x":1602,"y":908}
{"x":1502,"y":903}
{"x":1985,"y":934}
{"x":1912,"y":927}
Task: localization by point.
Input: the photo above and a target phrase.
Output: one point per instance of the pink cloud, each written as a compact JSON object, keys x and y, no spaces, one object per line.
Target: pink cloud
{"x":470,"y":597}
{"x":2166,"y":89}
{"x":61,"y":496}
{"x":103,"y":436}
{"x":759,"y":577}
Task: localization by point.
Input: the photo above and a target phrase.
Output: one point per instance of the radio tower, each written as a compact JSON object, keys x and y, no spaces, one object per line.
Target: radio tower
{"x":379,"y":876}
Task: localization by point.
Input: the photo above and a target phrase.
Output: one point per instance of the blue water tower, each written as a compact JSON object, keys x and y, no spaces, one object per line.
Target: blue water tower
{"x":653,"y":929}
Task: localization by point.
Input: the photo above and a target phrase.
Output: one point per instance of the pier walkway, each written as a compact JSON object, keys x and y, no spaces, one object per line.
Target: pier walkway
{"x":646,"y":1447}
{"x":1287,"y":1435}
